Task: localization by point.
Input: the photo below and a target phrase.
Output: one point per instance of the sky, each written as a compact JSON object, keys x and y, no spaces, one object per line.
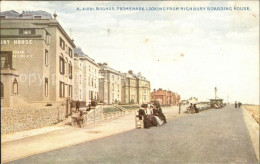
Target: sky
{"x":188,"y":52}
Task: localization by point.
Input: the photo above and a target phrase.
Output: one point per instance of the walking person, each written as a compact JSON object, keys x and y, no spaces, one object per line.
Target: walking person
{"x":236,"y":104}
{"x":239,"y":104}
{"x":89,"y":107}
{"x":77,"y":106}
{"x":179,"y":108}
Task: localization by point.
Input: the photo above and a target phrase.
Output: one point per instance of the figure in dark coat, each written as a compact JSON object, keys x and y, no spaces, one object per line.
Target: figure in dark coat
{"x":141,"y":112}
{"x":239,"y":104}
{"x":89,"y":107}
{"x":195,"y":108}
{"x":179,"y":108}
{"x":77,"y":106}
{"x":236,"y":104}
{"x":160,"y":113}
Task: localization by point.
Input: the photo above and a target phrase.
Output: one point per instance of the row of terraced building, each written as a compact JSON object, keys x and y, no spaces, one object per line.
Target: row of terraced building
{"x":40,"y":65}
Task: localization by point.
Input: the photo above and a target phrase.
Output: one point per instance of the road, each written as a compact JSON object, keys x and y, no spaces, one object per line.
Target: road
{"x":212,"y":136}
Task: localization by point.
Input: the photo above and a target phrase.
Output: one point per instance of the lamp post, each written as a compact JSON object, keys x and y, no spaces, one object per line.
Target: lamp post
{"x":215,"y":93}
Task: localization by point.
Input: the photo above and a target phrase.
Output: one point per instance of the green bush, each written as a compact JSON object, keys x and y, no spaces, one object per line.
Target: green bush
{"x":110,"y":109}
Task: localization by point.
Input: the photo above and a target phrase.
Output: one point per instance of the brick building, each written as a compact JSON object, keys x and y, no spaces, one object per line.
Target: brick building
{"x":165,"y":97}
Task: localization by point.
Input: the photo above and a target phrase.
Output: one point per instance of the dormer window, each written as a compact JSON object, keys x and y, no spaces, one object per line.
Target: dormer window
{"x":37,"y":17}
{"x":26,"y":31}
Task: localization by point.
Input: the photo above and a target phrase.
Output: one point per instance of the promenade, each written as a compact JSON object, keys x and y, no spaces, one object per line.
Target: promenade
{"x":212,"y":136}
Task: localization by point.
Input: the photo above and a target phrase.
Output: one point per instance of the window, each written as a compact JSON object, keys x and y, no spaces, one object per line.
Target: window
{"x":61,"y":64}
{"x":62,"y":89}
{"x":62,"y":44}
{"x":2,"y":90}
{"x":66,"y":49}
{"x":6,"y":59}
{"x":2,"y":16}
{"x":15,"y":87}
{"x":70,"y":70}
{"x":66,"y":66}
{"x":47,"y":38}
{"x":92,"y":82}
{"x":70,"y":91}
{"x":70,"y":52}
{"x":26,"y":31}
{"x":88,"y":81}
{"x":80,"y":79}
{"x":46,"y":87}
{"x":46,"y":57}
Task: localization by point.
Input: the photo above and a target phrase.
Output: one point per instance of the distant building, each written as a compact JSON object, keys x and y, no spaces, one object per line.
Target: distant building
{"x":165,"y":97}
{"x":36,"y":58}
{"x":135,"y":88}
{"x":109,"y":84}
{"x":86,"y":75}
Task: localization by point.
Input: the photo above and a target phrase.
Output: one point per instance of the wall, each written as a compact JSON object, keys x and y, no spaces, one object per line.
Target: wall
{"x":24,"y":118}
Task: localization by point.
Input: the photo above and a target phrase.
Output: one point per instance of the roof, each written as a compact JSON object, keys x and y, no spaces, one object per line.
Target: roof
{"x":105,"y":67}
{"x":9,"y":14}
{"x":39,"y":14}
{"x":79,"y":53}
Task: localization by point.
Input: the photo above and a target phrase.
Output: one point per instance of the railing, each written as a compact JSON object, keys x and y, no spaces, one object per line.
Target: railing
{"x":112,"y":115}
{"x":95,"y":114}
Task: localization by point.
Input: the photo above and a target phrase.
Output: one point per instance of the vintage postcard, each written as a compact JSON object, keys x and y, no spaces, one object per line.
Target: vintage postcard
{"x":129,"y":82}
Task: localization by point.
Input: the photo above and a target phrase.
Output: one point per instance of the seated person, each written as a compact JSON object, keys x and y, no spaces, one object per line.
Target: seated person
{"x":149,"y":113}
{"x":190,"y":108}
{"x":160,"y":113}
{"x":142,"y":112}
{"x":156,"y":121}
{"x":195,"y":108}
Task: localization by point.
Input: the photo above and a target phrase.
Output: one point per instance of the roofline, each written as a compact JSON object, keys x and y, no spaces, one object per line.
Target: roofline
{"x":54,"y":23}
{"x":63,"y":31}
{"x":84,"y":58}
{"x":108,"y":70}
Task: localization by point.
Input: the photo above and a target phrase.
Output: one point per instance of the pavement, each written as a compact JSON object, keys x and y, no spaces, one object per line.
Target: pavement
{"x":212,"y":136}
{"x":26,"y":143}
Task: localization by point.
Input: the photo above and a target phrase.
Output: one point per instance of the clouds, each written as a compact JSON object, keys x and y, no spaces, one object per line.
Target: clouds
{"x":220,"y":48}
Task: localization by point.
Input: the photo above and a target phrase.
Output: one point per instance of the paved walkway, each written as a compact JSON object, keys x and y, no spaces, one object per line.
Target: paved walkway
{"x":212,"y":136}
{"x":23,"y":144}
